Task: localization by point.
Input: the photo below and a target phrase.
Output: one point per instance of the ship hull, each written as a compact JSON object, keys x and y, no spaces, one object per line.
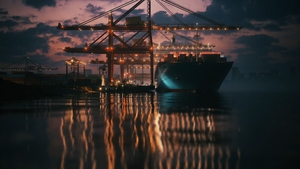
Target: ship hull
{"x":191,"y":76}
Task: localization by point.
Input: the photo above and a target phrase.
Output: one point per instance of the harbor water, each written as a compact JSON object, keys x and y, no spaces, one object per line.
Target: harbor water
{"x":221,"y":130}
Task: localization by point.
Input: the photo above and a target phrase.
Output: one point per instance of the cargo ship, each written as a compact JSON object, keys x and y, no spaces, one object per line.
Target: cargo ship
{"x":202,"y":73}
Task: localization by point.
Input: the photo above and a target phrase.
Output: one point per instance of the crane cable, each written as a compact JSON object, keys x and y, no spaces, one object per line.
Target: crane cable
{"x":105,"y":13}
{"x":170,"y":12}
{"x":191,"y":12}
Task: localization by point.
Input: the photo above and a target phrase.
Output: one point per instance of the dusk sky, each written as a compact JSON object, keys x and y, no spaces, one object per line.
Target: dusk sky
{"x":270,"y":38}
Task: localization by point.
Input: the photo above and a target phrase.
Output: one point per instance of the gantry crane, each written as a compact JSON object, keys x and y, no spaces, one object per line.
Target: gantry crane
{"x":74,"y":64}
{"x":140,"y":28}
{"x":34,"y":67}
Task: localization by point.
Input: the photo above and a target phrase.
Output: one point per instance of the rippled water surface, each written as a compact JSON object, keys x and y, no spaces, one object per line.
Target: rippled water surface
{"x":153,"y":130}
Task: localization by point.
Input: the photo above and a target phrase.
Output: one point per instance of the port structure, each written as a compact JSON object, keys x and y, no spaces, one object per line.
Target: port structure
{"x":142,"y":28}
{"x":74,"y":64}
{"x":29,"y":65}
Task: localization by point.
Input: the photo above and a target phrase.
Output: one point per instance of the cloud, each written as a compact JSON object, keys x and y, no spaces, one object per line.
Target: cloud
{"x":12,"y":23}
{"x":272,"y":27}
{"x":246,"y":13}
{"x":3,"y":12}
{"x":138,"y":12}
{"x":260,"y":41}
{"x":22,"y":20}
{"x":93,"y":9}
{"x":261,"y":10}
{"x":161,"y":17}
{"x":39,"y":4}
{"x":65,"y":39}
{"x":8,"y":24}
{"x":255,"y":56}
{"x":111,"y":1}
{"x":19,"y":44}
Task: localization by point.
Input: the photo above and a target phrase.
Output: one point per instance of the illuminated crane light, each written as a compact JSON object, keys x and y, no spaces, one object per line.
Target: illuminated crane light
{"x":225,"y":28}
{"x":203,"y":28}
{"x":210,"y":28}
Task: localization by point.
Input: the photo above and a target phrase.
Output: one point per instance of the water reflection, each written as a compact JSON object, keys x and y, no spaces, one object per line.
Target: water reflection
{"x":142,"y":130}
{"x":197,"y":131}
{"x":167,"y":130}
{"x":76,"y":132}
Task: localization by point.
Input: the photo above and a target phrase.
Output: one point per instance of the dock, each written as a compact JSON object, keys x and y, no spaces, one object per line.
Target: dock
{"x":127,"y":89}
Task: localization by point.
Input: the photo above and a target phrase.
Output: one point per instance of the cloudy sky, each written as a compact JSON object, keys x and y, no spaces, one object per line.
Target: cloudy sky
{"x":270,"y":38}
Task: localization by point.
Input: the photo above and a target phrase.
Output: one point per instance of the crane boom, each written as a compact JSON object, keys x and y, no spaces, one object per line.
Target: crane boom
{"x":107,"y":12}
